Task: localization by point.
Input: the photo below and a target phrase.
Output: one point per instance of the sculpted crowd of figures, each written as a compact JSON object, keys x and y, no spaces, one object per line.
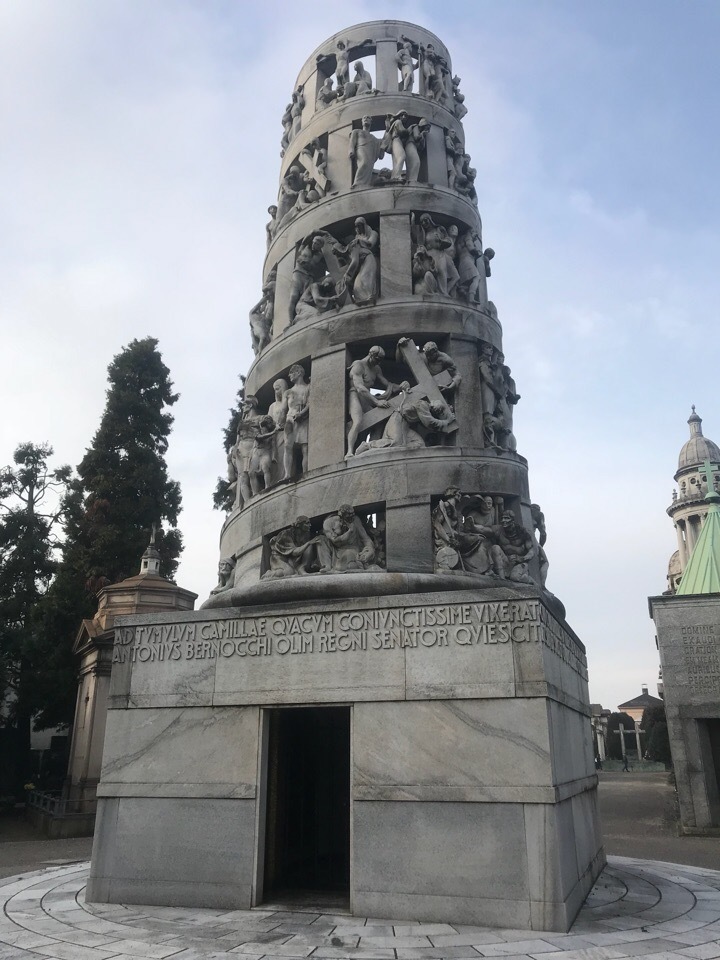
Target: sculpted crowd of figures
{"x":330,"y":273}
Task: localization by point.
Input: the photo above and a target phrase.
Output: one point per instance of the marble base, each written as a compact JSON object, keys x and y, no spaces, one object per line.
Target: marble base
{"x":473,"y":790}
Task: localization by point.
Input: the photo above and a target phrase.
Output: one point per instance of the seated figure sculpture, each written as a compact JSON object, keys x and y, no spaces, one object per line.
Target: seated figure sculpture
{"x":292,"y":551}
{"x":362,"y":268}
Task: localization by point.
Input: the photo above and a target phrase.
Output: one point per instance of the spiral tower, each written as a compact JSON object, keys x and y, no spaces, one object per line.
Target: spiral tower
{"x":380,"y":700}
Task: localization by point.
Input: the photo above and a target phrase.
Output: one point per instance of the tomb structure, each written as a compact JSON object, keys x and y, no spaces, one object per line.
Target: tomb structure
{"x":380,"y":702}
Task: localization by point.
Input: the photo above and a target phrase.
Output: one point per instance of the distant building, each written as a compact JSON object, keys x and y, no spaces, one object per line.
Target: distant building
{"x":689,"y":507}
{"x":687,"y":620}
{"x":636,"y":707}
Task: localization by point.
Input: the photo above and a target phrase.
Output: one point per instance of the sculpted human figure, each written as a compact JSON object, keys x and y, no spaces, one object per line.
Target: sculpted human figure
{"x":263,"y":455}
{"x":514,"y":549}
{"x":278,"y":411}
{"x":326,"y":95}
{"x":248,"y":428}
{"x":360,"y":255}
{"x":435,"y":238}
{"x":286,"y":121}
{"x":507,"y":398}
{"x":342,"y":70}
{"x":489,"y":386}
{"x":226,"y":569}
{"x":407,"y":67}
{"x":454,"y":547}
{"x":298,"y":105}
{"x":538,"y":518}
{"x":290,"y":186}
{"x":459,"y":107}
{"x":404,"y":425}
{"x":365,"y":150}
{"x":292,"y":551}
{"x":296,"y":420}
{"x":425,"y":282}
{"x":345,"y":544}
{"x":438,"y":362}
{"x":270,"y":225}
{"x":365,"y":374}
{"x":318,"y":298}
{"x":404,"y":141}
{"x":262,"y":314}
{"x":469,"y":252}
{"x":433,"y":68}
{"x":363,"y":80}
{"x":310,"y":267}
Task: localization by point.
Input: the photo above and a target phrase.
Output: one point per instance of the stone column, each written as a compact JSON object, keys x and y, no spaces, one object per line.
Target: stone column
{"x":681,"y":544}
{"x":326,"y":433}
{"x":339,"y":168}
{"x":283,"y":284}
{"x":395,"y":255}
{"x":408,"y":535}
{"x":386,"y":69}
{"x":436,"y":156}
{"x":467,"y":397}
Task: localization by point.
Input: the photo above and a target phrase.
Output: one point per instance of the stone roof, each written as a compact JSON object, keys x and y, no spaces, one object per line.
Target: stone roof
{"x":698,"y":448}
{"x":644,"y":700}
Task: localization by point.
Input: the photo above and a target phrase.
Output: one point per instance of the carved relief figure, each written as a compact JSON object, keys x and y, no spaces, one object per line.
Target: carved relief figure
{"x":460,"y":109}
{"x":326,"y":95}
{"x":516,"y":548}
{"x":298,"y":105}
{"x":365,"y":150}
{"x":364,"y":375}
{"x":469,"y":252}
{"x":405,"y":141}
{"x":437,"y":363}
{"x":424,"y":275}
{"x":314,"y":158}
{"x":290,"y":186}
{"x":362,"y":270}
{"x":263,"y":456}
{"x":434,"y":70}
{"x":297,"y":399}
{"x":286,"y":121}
{"x":318,"y":298}
{"x":292,"y":551}
{"x":262,"y":314}
{"x":226,"y":571}
{"x":414,"y":414}
{"x":538,"y":519}
{"x":438,"y":244}
{"x":407,"y":67}
{"x":248,"y":428}
{"x":310,"y":267}
{"x":270,"y":225}
{"x":345,"y":544}
{"x":342,"y":70}
{"x":278,"y":411}
{"x":454,"y":547}
{"x":363,"y":80}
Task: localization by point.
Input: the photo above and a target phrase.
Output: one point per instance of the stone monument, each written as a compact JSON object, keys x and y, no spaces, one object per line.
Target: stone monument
{"x":380,"y":701}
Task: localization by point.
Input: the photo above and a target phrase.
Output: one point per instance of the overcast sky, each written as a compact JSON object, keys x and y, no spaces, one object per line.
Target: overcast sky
{"x":140,"y":150}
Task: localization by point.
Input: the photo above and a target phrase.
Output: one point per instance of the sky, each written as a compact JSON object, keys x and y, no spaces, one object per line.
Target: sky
{"x":141,"y":150}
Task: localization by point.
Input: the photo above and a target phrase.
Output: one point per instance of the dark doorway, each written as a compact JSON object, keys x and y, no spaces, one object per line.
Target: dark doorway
{"x":307,"y":846}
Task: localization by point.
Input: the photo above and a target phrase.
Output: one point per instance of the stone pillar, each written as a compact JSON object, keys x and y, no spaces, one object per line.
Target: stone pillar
{"x":637,"y":740}
{"x":339,"y":168}
{"x":395,"y":255}
{"x":326,"y":433}
{"x":386,"y":69}
{"x":436,"y":156}
{"x":681,"y":544}
{"x":283,"y":285}
{"x":467,"y":398}
{"x":408,"y":535}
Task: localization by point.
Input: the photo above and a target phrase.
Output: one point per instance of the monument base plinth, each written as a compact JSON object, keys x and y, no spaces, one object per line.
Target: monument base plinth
{"x":437,"y":755}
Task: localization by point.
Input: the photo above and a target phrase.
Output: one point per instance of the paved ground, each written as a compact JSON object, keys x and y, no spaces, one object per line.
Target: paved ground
{"x":639,"y":907}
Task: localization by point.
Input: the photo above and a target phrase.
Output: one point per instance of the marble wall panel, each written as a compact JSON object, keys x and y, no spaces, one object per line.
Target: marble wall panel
{"x":200,"y":745}
{"x":409,"y":536}
{"x":443,"y":749}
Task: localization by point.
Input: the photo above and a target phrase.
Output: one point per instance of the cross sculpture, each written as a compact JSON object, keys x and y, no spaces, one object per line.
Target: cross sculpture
{"x":427,"y":386}
{"x":707,"y":471}
{"x":310,"y":163}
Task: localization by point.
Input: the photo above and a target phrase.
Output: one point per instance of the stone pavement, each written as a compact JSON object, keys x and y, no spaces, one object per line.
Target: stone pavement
{"x":637,"y":908}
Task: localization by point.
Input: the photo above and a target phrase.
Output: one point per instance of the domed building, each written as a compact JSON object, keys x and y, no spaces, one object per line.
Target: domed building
{"x":689,"y":507}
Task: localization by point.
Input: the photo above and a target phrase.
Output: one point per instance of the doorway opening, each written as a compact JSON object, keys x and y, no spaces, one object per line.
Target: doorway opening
{"x":307,"y":840}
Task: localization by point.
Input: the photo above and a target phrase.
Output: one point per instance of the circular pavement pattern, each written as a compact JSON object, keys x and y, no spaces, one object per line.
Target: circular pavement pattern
{"x":637,"y":908}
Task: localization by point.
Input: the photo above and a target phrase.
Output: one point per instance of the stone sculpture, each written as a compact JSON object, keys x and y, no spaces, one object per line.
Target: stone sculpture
{"x":262,"y":315}
{"x":424,"y":275}
{"x":297,"y":400}
{"x":437,"y":363}
{"x":345,"y":544}
{"x":263,"y":455}
{"x":407,"y":66}
{"x":298,"y":105}
{"x":291,"y":551}
{"x":317,"y":299}
{"x":310,"y":267}
{"x":271,"y":224}
{"x":342,"y":57}
{"x":365,"y":375}
{"x":365,"y":150}
{"x":538,"y":519}
{"x":411,"y":423}
{"x":459,"y":107}
{"x":515,"y":549}
{"x":362,"y":267}
{"x":438,"y":244}
{"x":326,"y":95}
{"x":314,"y":158}
{"x":226,"y":578}
{"x":405,"y":141}
{"x":498,"y":396}
{"x":241,"y":453}
{"x":434,"y":70}
{"x":363,"y":80}
{"x":469,"y":253}
{"x":454,"y":547}
{"x":287,"y":121}
{"x":290,"y":187}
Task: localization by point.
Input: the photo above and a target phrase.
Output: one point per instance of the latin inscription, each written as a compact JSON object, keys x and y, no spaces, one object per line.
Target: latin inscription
{"x":338,"y":632}
{"x":701,"y":649}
